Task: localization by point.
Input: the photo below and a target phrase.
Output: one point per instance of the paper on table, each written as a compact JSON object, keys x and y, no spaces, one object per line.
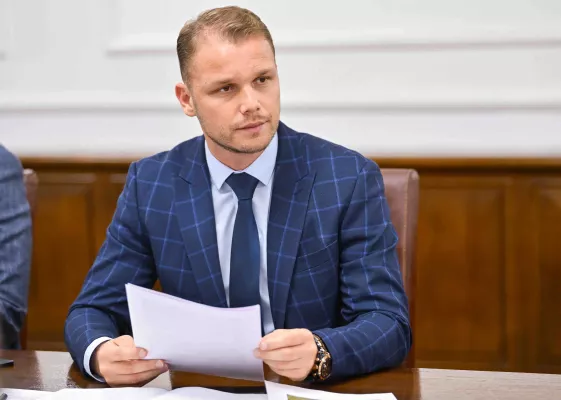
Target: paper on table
{"x":107,"y":394}
{"x":187,"y":393}
{"x":200,"y":393}
{"x":25,"y":394}
{"x":278,"y":391}
{"x":195,"y":337}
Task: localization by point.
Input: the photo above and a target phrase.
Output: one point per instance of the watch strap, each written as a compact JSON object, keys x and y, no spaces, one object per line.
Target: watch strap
{"x":321,"y":356}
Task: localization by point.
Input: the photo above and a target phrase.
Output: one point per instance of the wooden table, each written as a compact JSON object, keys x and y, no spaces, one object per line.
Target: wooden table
{"x":53,"y":371}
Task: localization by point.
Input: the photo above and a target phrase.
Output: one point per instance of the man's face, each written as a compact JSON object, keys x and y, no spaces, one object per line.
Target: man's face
{"x":234,"y":92}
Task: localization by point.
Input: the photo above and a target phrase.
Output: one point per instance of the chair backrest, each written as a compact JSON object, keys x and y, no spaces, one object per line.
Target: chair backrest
{"x":402,"y":193}
{"x":31,"y":182}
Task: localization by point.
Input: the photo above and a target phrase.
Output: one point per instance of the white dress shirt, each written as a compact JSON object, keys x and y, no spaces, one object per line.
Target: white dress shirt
{"x":225,"y":204}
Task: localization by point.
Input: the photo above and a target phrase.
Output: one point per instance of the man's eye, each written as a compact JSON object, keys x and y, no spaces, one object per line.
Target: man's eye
{"x":262,"y":79}
{"x":226,"y":89}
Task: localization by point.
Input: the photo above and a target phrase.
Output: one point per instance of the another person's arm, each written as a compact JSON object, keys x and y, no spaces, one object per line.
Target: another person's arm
{"x":15,"y":250}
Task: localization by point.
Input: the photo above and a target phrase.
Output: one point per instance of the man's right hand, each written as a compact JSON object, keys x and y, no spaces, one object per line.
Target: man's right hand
{"x":121,"y":363}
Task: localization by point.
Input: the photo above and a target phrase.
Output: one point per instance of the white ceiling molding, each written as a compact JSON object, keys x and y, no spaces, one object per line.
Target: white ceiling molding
{"x":107,"y":102}
{"x":328,"y":40}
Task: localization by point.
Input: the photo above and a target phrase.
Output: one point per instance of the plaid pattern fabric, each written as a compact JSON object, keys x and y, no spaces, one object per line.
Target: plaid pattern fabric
{"x":331,"y":251}
{"x":15,"y":250}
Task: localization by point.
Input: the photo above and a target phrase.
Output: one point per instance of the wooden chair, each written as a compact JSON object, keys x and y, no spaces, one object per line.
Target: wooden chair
{"x":402,"y":193}
{"x":31,"y":182}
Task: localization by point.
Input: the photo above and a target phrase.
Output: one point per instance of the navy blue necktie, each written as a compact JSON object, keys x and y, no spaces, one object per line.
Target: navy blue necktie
{"x":244,"y":259}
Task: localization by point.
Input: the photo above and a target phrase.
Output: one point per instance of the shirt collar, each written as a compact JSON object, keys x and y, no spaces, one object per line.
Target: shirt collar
{"x":261,"y":169}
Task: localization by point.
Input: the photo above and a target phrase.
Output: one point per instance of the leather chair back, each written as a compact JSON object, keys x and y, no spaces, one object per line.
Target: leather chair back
{"x":402,"y":193}
{"x":31,"y":182}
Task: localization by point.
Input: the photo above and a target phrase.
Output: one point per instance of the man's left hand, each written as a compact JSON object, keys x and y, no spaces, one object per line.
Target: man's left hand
{"x":288,"y":352}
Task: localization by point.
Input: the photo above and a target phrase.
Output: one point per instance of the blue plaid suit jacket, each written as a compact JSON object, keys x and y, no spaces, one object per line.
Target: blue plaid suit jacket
{"x":331,"y":251}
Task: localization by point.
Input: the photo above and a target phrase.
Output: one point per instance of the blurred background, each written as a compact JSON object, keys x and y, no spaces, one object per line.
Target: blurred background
{"x":468,"y":93}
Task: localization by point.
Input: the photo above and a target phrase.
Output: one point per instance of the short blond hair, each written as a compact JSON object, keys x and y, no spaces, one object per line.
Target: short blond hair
{"x":231,"y":23}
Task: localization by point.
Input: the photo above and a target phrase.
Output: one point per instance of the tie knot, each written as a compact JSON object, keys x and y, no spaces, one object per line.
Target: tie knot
{"x":243,"y":185}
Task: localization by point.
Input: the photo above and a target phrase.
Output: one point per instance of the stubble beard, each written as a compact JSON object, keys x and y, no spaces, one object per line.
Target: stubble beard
{"x":221,"y":139}
{"x":235,"y":150}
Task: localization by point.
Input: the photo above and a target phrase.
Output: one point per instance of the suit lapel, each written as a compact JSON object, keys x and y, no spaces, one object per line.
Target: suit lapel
{"x":289,"y":202}
{"x":195,"y":212}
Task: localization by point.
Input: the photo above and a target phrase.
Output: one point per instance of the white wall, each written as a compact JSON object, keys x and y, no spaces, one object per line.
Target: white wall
{"x":388,"y":77}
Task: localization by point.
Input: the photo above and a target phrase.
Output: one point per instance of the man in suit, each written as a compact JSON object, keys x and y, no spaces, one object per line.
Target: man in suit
{"x":251,"y":212}
{"x":15,"y":250}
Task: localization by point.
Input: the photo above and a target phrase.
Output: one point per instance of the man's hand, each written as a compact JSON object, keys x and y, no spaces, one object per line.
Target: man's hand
{"x":121,"y":363}
{"x":289,"y":352}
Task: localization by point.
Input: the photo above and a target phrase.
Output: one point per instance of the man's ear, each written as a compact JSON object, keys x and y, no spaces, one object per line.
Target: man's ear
{"x":185,"y":99}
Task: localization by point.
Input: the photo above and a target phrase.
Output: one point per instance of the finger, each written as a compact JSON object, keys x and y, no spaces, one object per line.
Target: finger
{"x":124,"y":341}
{"x":284,"y":354}
{"x":134,"y":379}
{"x":284,"y":338}
{"x":138,"y":366}
{"x":126,"y":350}
{"x":129,"y":353}
{"x":286,"y":365}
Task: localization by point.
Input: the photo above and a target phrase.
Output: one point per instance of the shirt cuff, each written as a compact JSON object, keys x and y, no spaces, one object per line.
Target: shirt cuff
{"x":88,"y":355}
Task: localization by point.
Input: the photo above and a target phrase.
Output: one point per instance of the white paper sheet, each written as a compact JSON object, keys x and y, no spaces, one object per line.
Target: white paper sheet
{"x":107,"y":394}
{"x":188,"y":393}
{"x":194,"y":337}
{"x":277,"y":391}
{"x":24,"y":394}
{"x":198,"y":393}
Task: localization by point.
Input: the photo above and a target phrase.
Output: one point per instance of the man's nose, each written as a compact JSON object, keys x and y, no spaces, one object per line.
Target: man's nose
{"x":249,"y":101}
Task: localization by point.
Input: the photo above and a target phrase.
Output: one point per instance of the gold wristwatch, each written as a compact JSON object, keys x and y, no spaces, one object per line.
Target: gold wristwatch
{"x":322,"y":365}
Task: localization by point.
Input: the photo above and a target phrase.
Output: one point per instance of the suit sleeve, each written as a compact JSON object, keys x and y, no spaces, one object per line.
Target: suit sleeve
{"x":15,"y":250}
{"x":101,"y":309}
{"x":377,"y":333}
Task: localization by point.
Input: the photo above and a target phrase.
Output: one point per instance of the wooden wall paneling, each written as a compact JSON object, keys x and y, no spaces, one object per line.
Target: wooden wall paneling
{"x":461,"y":320}
{"x":62,"y":248}
{"x":544,"y":290}
{"x":521,"y":279}
{"x":518,"y":251}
